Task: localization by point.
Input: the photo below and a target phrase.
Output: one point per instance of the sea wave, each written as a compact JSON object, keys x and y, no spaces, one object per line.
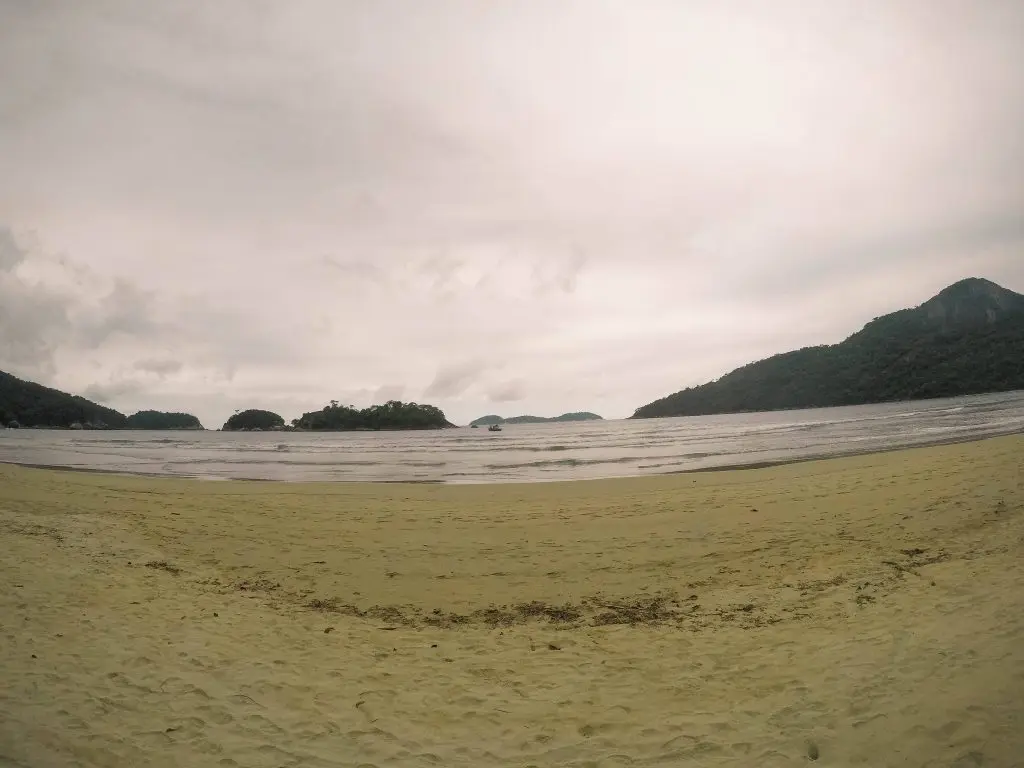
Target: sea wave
{"x":524,"y":454}
{"x":566,"y":463}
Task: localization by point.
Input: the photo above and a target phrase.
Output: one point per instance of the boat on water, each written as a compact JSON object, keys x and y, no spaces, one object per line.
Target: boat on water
{"x":494,"y":428}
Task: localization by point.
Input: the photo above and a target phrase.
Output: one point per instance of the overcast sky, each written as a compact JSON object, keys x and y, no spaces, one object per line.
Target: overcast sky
{"x":526,"y":206}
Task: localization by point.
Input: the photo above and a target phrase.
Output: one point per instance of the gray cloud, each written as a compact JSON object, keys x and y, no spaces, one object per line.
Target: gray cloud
{"x":33,"y":318}
{"x":11,"y":254}
{"x":32,"y":323}
{"x":110,"y":391}
{"x":125,"y":309}
{"x":389,"y":392}
{"x":452,"y":380}
{"x":508,"y":391}
{"x":316,"y":200}
{"x":160,"y":367}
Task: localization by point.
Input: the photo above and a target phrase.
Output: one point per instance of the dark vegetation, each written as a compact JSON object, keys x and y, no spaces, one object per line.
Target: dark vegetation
{"x":28,"y":404}
{"x":969,"y":339}
{"x":664,"y":608}
{"x":391,"y":415}
{"x":163,"y":420}
{"x":494,"y":419}
{"x":253,"y":419}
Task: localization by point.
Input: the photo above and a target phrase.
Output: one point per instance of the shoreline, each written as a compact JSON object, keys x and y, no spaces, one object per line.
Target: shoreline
{"x":871,"y":606}
{"x":745,"y":466}
{"x":848,"y":454}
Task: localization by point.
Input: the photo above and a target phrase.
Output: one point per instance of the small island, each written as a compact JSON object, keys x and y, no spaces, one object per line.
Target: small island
{"x":163,"y":420}
{"x":486,"y":421}
{"x":392,"y":415}
{"x":253,"y":419}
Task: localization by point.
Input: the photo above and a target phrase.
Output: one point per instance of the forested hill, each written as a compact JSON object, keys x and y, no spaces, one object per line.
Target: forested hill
{"x":392,"y":415}
{"x":28,"y":404}
{"x":968,"y":339}
{"x":253,"y":419}
{"x":160,"y":420}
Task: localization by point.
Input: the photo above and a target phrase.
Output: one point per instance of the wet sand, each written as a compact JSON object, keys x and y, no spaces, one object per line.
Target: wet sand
{"x":861,"y":611}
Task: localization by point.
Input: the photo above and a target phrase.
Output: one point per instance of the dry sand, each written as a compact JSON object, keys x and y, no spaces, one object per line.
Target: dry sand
{"x":866,"y":611}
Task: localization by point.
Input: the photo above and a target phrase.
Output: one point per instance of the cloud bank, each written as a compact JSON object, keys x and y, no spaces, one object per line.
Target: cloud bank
{"x":530,"y":206}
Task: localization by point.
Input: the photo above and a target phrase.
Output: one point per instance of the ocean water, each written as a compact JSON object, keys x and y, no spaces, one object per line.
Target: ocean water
{"x":528,"y":452}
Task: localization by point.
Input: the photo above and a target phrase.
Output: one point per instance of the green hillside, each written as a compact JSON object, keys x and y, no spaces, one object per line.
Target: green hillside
{"x":968,"y":339}
{"x":32,"y":405}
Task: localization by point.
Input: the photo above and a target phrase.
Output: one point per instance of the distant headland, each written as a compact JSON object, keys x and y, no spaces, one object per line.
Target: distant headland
{"x":27,"y":404}
{"x":486,"y":421}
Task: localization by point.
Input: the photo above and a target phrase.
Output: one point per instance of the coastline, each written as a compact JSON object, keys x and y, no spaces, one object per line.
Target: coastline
{"x":870,"y":606}
{"x":849,"y":454}
{"x":821,"y":456}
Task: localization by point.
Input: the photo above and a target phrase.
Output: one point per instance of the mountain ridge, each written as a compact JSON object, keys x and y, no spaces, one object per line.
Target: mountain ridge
{"x":967,"y":339}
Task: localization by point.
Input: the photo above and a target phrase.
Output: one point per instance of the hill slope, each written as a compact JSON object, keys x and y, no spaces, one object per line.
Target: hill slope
{"x":33,"y":405}
{"x":968,"y":339}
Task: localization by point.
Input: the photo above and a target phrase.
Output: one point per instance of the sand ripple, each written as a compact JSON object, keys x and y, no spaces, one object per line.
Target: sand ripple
{"x":864,"y":611}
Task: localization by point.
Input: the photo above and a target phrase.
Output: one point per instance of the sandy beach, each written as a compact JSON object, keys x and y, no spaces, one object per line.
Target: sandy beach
{"x":858,"y":611}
